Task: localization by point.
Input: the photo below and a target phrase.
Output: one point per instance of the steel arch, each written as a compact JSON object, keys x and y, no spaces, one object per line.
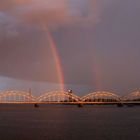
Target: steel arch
{"x":101,"y":96}
{"x":58,"y":96}
{"x":16,"y":96}
{"x":133,"y":96}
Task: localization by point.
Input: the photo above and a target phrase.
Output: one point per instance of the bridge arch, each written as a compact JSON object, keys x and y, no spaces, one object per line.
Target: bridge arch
{"x":101,"y":96}
{"x":16,"y":96}
{"x":58,"y":96}
{"x":133,"y":96}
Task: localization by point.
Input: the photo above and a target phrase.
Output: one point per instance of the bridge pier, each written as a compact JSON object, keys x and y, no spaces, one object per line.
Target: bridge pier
{"x":36,"y":105}
{"x":80,"y":105}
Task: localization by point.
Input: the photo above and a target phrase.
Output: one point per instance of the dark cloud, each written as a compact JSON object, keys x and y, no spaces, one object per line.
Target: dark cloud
{"x":51,"y":12}
{"x":27,"y":58}
{"x":106,"y":53}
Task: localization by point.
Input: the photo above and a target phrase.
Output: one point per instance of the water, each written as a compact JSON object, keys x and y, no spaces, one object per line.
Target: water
{"x":69,"y":123}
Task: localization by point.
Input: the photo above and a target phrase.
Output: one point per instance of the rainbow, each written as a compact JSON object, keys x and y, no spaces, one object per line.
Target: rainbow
{"x":58,"y":64}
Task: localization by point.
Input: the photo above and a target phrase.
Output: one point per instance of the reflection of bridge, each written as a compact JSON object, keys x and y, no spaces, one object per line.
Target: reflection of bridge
{"x":56,"y":97}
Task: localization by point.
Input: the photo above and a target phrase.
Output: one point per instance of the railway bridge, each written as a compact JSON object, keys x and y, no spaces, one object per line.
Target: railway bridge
{"x":66,"y":98}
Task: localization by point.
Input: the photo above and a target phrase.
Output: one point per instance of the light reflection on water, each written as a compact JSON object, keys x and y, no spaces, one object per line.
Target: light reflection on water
{"x":69,"y":123}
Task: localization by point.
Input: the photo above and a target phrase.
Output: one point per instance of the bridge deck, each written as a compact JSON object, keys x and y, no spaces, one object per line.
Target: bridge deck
{"x":72,"y":103}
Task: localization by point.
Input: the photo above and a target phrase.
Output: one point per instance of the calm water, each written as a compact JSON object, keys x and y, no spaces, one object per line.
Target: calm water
{"x":69,"y":123}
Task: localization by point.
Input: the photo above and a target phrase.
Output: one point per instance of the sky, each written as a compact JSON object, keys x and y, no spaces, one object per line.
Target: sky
{"x":97,"y":43}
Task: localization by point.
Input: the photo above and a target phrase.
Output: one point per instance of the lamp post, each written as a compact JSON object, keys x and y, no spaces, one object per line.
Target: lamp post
{"x":70,"y":95}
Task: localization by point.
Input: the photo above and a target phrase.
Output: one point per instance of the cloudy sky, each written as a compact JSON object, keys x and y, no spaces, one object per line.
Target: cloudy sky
{"x":98,"y":42}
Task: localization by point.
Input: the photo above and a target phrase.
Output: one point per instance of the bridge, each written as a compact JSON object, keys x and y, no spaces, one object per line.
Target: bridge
{"x":14,"y":96}
{"x":59,"y":97}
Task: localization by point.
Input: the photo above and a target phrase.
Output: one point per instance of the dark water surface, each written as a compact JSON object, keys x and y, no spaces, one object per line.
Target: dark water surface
{"x":69,"y":123}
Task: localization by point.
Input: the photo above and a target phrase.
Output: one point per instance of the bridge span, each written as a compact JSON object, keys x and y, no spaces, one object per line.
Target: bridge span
{"x":79,"y":104}
{"x":66,"y":98}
